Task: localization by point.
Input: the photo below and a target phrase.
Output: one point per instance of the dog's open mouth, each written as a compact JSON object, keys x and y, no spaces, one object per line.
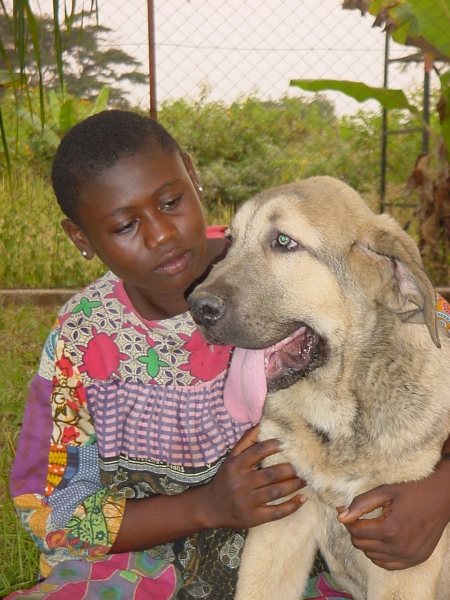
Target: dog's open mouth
{"x":293,"y":358}
{"x":254,"y":372}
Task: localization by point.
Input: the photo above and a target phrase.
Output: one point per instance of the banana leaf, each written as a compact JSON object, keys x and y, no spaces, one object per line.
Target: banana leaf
{"x":390,"y":99}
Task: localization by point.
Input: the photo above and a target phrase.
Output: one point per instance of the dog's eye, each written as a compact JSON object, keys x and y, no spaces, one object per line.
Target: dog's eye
{"x":284,"y":241}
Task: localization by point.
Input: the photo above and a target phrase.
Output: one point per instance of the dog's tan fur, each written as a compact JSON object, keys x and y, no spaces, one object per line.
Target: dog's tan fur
{"x":376,"y":411}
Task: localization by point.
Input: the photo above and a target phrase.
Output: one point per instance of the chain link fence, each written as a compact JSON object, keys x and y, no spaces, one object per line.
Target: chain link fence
{"x":222,"y":72}
{"x":226,"y":51}
{"x":241,"y":47}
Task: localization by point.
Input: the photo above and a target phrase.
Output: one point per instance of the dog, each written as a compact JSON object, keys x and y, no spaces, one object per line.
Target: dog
{"x":357,"y":375}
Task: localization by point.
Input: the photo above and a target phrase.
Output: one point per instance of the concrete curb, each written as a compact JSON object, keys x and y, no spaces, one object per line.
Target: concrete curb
{"x":51,"y":298}
{"x":44,"y":298}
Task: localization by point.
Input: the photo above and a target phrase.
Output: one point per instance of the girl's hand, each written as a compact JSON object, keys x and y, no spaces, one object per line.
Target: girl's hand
{"x":237,"y":497}
{"x":239,"y":494}
{"x":414,"y":517}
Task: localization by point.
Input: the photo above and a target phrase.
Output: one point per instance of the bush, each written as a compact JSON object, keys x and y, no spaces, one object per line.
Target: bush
{"x":238,"y":150}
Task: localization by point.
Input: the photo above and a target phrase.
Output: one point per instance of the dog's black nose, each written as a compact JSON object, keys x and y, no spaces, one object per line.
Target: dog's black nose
{"x":206,"y":309}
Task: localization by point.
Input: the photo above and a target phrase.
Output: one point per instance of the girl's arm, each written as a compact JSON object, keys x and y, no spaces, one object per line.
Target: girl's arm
{"x":414,"y":517}
{"x":414,"y":514}
{"x":236,"y":498}
{"x":55,"y":481}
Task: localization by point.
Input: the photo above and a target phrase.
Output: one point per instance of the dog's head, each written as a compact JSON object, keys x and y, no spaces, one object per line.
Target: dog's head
{"x":307,"y":261}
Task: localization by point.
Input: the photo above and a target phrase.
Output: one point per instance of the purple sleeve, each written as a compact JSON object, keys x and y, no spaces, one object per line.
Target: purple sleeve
{"x":29,"y":473}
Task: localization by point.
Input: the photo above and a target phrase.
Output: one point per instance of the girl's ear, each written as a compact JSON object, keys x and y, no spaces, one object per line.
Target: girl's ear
{"x":192,"y":173}
{"x":78,"y":238}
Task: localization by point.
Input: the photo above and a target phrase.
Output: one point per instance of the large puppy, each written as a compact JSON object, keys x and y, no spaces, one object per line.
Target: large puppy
{"x":359,"y":390}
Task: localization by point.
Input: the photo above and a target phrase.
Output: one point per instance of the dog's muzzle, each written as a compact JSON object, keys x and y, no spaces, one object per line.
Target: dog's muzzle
{"x":285,"y":362}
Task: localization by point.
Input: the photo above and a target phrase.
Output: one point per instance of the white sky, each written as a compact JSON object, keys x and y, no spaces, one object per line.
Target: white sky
{"x":245,"y":46}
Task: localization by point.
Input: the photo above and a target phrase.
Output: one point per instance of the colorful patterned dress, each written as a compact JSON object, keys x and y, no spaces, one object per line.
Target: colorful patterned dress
{"x":154,"y":392}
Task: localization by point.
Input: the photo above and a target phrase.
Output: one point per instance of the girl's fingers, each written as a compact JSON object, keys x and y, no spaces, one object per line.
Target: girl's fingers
{"x":274,"y":512}
{"x":267,"y":476}
{"x":280,"y":491}
{"x":367,"y":529}
{"x":254,"y":453}
{"x":249,"y":439}
{"x":364,"y":504}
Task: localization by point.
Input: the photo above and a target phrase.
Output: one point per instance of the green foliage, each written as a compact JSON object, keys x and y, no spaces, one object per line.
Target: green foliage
{"x":421,"y":23}
{"x":30,"y":142}
{"x":425,"y":24}
{"x":35,"y":251}
{"x":389,"y":99}
{"x":20,"y":39}
{"x":250,"y":145}
{"x":238,"y":151}
{"x":38,"y":54}
{"x":62,"y":114}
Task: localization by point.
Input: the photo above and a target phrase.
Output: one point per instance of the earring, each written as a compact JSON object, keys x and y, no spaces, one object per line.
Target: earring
{"x":200,"y":189}
{"x":84,"y":253}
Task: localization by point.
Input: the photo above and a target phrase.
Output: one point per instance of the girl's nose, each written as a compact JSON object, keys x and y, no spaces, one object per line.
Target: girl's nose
{"x":159,"y":231}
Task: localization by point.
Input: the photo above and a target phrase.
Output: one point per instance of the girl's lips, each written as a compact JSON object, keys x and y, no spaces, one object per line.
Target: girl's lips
{"x":174,"y":265}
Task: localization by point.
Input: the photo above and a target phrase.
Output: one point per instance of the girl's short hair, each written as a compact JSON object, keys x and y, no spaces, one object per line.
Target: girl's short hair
{"x":98,"y":143}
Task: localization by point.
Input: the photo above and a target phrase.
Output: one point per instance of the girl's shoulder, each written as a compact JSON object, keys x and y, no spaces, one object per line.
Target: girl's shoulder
{"x":92,"y":296}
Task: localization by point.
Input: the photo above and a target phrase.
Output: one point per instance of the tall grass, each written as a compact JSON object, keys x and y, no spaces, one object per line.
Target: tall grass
{"x":35,"y":250}
{"x":23,"y":331}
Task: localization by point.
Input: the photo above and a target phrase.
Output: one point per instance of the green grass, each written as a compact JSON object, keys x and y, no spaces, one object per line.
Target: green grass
{"x":23,"y":331}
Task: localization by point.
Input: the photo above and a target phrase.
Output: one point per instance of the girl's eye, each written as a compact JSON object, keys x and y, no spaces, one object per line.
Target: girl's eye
{"x":169,"y":204}
{"x":285,"y":242}
{"x":127,"y":228}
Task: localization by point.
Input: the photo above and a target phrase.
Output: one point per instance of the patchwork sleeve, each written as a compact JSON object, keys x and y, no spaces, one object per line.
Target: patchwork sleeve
{"x":443,"y":313}
{"x":55,"y":481}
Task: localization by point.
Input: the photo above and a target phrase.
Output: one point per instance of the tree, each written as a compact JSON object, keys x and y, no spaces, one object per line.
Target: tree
{"x":88,"y":63}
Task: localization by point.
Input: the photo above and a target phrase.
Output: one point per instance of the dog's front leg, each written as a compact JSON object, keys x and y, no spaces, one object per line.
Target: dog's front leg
{"x":278,"y":556}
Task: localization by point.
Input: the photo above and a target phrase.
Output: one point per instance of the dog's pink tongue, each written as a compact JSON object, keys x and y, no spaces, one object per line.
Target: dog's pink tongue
{"x":246,"y":387}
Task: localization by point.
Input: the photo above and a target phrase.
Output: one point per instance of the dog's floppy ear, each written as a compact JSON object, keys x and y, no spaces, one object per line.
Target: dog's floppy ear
{"x":405,"y":288}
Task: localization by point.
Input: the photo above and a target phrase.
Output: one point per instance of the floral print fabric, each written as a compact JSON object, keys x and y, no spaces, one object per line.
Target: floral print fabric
{"x":154,"y":392}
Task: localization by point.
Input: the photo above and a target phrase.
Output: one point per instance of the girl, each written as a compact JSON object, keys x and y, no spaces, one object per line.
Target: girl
{"x":130,"y":475}
{"x":126,"y":410}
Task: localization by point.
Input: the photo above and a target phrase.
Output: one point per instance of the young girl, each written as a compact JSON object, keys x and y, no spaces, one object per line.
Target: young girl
{"x":130,"y":475}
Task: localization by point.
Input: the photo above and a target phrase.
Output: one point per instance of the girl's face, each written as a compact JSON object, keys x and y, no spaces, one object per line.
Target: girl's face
{"x":144,"y":220}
